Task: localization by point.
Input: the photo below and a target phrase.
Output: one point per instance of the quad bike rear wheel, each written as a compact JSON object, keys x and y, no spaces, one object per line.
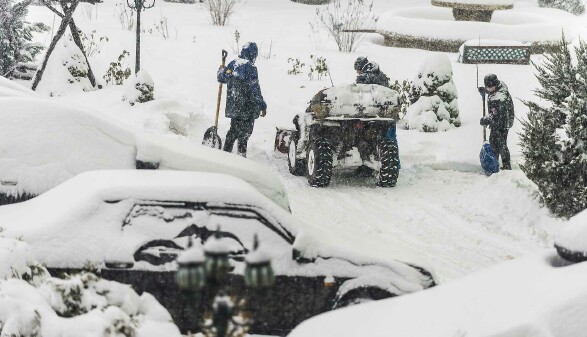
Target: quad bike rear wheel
{"x":388,"y":153}
{"x":319,"y":163}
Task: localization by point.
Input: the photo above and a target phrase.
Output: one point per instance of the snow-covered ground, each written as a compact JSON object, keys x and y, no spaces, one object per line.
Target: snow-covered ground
{"x":443,"y":208}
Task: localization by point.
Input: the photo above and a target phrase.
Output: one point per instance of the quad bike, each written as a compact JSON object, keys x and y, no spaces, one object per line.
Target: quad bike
{"x":345,"y":126}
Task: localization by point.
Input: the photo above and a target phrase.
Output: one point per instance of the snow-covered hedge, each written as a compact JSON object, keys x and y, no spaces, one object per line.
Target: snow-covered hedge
{"x":434,"y":97}
{"x":571,"y":6}
{"x":34,"y":304}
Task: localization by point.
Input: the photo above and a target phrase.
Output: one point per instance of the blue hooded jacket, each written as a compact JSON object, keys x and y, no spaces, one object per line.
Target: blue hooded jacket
{"x":244,"y":99}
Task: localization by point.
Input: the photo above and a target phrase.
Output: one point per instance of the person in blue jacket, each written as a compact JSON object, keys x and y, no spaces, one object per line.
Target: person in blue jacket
{"x":244,"y":102}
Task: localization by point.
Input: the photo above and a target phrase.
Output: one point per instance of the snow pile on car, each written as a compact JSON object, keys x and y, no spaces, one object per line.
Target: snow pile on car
{"x":571,"y":242}
{"x":539,"y":295}
{"x":43,"y":143}
{"x":34,"y":304}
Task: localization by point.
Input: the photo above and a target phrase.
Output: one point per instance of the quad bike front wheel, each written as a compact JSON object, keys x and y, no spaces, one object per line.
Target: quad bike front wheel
{"x":297,"y":166}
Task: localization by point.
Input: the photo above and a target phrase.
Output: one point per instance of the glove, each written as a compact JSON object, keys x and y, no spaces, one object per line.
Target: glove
{"x":263,"y":113}
{"x":482,"y":91}
{"x":484,"y":121}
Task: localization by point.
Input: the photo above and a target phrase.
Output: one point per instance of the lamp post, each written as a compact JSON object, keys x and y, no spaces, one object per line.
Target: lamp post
{"x":209,"y":270}
{"x":139,"y":6}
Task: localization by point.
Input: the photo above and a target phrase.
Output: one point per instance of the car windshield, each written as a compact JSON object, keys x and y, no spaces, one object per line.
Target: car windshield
{"x":163,"y":229}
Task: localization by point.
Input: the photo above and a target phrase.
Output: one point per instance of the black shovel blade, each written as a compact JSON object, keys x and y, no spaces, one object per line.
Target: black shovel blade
{"x":211,"y":138}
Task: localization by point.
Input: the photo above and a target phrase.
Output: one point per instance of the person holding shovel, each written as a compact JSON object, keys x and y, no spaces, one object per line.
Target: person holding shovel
{"x":499,"y":118}
{"x":244,"y":102}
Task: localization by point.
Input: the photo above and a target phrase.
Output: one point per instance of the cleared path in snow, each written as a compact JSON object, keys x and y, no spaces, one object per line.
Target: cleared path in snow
{"x":453,"y":221}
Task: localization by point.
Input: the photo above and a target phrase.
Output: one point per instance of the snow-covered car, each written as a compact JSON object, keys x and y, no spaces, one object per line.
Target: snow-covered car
{"x":132,"y":224}
{"x":43,"y":143}
{"x":538,"y":295}
{"x":571,"y":243}
{"x":345,"y":126}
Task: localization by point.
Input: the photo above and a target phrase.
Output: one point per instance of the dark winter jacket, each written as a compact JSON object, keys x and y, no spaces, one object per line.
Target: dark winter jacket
{"x":371,"y":74}
{"x":244,"y":100}
{"x":499,"y":109}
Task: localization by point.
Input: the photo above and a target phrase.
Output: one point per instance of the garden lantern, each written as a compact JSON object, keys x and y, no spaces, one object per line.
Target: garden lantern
{"x":258,"y":271}
{"x":191,"y":274}
{"x":217,"y":264}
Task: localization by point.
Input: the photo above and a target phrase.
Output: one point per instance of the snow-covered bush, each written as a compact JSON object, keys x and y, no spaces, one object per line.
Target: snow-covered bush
{"x":343,"y":18}
{"x":554,"y":137}
{"x":75,"y":62}
{"x":405,"y":93}
{"x":296,"y":66}
{"x":571,"y":6}
{"x":33,"y":304}
{"x":92,"y":43}
{"x":434,"y":97}
{"x":141,"y":89}
{"x":118,"y":72}
{"x":66,"y":71}
{"x":221,"y":10}
{"x":16,"y":35}
{"x":125,"y":15}
{"x":318,"y":68}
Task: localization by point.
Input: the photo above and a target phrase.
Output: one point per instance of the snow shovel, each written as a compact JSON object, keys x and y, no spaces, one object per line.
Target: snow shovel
{"x":211,"y":137}
{"x":489,"y":162}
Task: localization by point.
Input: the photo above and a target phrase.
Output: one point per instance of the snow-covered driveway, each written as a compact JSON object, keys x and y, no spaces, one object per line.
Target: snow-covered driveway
{"x":456,"y":222}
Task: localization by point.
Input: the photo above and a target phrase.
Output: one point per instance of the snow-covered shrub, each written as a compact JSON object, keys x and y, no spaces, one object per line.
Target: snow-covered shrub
{"x":16,"y":35}
{"x":296,"y":66}
{"x":318,"y":68}
{"x":17,"y":262}
{"x":118,"y":71}
{"x":75,"y":63}
{"x":405,"y":94}
{"x":125,"y":15}
{"x":571,"y":6}
{"x":221,"y":10}
{"x":554,"y":137}
{"x":434,"y":97}
{"x":342,"y":18}
{"x":92,"y":43}
{"x":33,"y":304}
{"x":141,"y":89}
{"x":66,"y":71}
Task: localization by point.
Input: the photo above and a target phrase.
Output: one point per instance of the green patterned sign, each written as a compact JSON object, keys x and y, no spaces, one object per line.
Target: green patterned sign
{"x":496,"y":54}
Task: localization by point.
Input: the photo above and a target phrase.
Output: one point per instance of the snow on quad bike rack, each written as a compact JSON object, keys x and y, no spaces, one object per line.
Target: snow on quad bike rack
{"x":344,"y":126}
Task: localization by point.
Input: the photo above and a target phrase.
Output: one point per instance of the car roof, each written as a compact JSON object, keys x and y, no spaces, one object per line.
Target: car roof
{"x":163,"y":185}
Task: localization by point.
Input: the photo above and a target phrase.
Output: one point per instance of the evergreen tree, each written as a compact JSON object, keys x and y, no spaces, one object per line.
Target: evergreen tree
{"x":16,"y":46}
{"x":554,"y":137}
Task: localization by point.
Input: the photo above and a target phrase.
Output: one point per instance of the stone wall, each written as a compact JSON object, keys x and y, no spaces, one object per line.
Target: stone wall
{"x":448,"y":46}
{"x":312,"y":2}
